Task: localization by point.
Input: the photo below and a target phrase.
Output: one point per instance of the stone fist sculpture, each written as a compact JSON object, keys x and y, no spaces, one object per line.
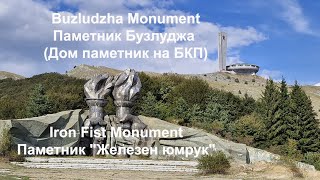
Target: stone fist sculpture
{"x":126,"y":87}
{"x":95,"y":90}
{"x":98,"y":86}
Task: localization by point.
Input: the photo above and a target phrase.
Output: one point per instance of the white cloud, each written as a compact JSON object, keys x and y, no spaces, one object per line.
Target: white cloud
{"x":318,"y":84}
{"x":292,"y":13}
{"x":271,"y":74}
{"x":27,"y":34}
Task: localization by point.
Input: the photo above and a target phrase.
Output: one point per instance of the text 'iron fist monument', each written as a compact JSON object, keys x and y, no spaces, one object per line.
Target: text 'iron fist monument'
{"x":123,"y":89}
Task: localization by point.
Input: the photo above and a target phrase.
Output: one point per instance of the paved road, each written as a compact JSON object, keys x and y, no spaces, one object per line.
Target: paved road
{"x":109,"y":164}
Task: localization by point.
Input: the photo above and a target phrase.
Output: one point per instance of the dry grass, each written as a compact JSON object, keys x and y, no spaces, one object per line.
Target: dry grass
{"x":4,"y":75}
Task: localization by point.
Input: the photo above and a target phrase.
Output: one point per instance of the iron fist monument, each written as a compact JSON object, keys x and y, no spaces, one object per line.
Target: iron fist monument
{"x":123,"y":89}
{"x":95,"y":130}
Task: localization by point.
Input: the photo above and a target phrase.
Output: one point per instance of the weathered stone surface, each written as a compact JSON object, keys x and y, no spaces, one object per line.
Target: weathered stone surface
{"x":194,"y":138}
{"x":261,"y":155}
{"x":35,"y":131}
{"x":305,"y":166}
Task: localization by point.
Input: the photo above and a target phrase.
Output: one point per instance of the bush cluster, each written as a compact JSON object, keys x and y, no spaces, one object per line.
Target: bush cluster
{"x":191,"y":102}
{"x":7,"y":148}
{"x":214,"y":163}
{"x":313,"y":159}
{"x":53,"y":92}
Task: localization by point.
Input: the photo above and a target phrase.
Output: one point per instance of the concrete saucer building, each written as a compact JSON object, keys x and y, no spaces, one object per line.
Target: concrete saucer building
{"x":238,"y":68}
{"x":243,"y":68}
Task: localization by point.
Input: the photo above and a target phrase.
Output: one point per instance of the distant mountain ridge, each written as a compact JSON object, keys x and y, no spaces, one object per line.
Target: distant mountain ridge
{"x":6,"y":75}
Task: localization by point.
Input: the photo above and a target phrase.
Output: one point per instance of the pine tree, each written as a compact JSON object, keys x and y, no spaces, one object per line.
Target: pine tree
{"x":281,"y":127}
{"x":268,"y":106}
{"x":307,"y":126}
{"x":38,"y":103}
{"x":148,"y":104}
{"x":216,"y":112}
{"x":248,"y":104}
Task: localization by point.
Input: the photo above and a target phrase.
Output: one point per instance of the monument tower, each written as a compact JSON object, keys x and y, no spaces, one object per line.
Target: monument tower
{"x":238,"y":68}
{"x":222,"y":51}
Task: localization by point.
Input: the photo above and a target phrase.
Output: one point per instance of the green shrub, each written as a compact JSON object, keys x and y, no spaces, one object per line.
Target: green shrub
{"x":247,"y":128}
{"x":313,"y":159}
{"x":236,"y":80}
{"x":213,"y":163}
{"x":175,"y":120}
{"x":192,"y":90}
{"x":215,"y":127}
{"x":14,"y":156}
{"x":6,"y":144}
{"x":292,"y":151}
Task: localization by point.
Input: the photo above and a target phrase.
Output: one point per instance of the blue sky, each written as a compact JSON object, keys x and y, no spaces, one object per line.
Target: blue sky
{"x":281,"y":36}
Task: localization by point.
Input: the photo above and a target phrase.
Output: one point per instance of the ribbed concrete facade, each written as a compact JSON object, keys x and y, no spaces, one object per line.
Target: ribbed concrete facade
{"x":222,"y":51}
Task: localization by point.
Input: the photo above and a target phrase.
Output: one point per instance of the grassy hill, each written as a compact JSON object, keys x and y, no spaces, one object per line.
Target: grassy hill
{"x":236,"y":84}
{"x":86,"y":72}
{"x":6,"y":75}
{"x":252,"y":85}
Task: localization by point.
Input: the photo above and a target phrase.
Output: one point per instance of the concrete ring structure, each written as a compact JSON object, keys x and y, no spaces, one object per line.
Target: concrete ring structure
{"x":242,"y":68}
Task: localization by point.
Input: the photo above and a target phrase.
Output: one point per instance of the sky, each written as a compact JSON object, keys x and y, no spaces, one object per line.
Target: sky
{"x":281,"y":36}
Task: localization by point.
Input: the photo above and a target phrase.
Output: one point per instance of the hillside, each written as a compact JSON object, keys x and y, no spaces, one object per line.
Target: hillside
{"x":6,"y":75}
{"x":178,"y":99}
{"x":64,"y":93}
{"x":86,"y":72}
{"x":236,"y":84}
{"x":252,"y":85}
